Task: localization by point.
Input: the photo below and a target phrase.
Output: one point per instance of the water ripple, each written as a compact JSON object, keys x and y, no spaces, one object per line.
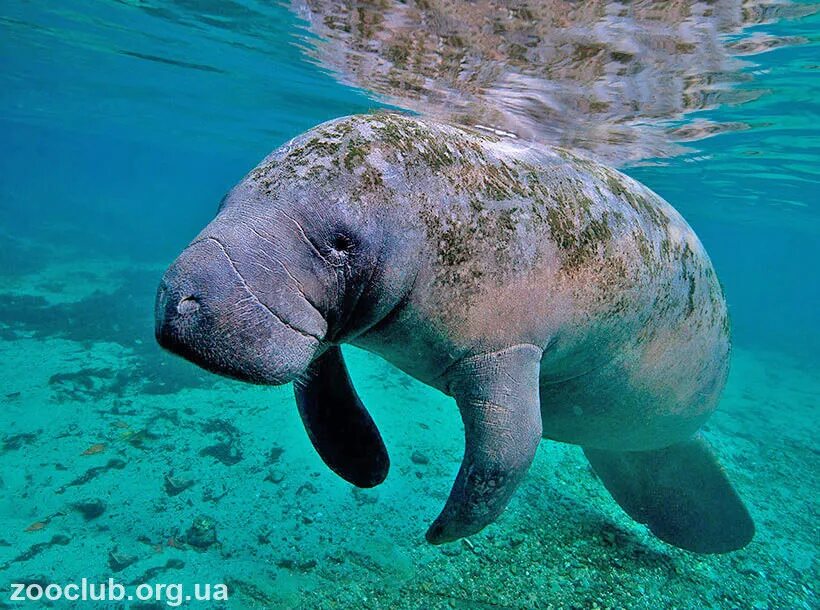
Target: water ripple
{"x":605,"y":77}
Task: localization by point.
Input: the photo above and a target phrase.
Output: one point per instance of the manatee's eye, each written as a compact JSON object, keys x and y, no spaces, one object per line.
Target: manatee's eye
{"x":340,"y":248}
{"x":342,"y":243}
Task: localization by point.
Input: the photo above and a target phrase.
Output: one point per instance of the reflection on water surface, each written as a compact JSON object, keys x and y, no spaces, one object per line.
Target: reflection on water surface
{"x":610,"y":78}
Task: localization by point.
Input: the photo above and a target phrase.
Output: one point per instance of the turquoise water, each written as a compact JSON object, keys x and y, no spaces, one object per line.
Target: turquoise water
{"x":123,"y":124}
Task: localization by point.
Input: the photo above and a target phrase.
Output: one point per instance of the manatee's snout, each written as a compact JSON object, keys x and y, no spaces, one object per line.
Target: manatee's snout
{"x":208,"y":313}
{"x":177,"y":315}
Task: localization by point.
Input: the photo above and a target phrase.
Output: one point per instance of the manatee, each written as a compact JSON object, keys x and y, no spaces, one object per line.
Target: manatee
{"x":550,"y":296}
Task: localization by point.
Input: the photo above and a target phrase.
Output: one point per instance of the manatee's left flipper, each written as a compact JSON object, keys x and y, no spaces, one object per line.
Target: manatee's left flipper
{"x":338,"y":424}
{"x":497,"y":395}
{"x":680,"y":492}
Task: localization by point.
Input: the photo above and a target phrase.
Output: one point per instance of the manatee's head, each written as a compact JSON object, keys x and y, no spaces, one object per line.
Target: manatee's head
{"x":248,"y":298}
{"x":226,"y":309}
{"x":215,"y":307}
{"x":291,"y":264}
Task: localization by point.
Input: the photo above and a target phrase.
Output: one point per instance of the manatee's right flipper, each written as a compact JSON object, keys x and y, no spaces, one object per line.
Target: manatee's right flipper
{"x":680,"y":492}
{"x":338,"y":424}
{"x":497,"y":395}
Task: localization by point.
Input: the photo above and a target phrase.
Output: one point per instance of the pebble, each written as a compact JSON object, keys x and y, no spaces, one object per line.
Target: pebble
{"x":90,"y":509}
{"x":202,"y":532}
{"x":275,"y":476}
{"x":516,"y":539}
{"x":419,"y":458}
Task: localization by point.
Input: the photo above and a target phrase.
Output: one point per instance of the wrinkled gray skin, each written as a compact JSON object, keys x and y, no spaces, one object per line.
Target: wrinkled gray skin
{"x":547,"y":294}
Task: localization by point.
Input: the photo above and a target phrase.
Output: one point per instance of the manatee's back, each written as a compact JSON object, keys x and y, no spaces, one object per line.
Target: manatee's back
{"x":560,"y":235}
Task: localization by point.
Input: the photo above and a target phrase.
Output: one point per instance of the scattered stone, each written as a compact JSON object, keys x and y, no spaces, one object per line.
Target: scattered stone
{"x":139,"y":438}
{"x":363,"y":497}
{"x":451,"y":550}
{"x":419,"y":458}
{"x":121,"y":407}
{"x":88,"y":384}
{"x":336,"y":557}
{"x":274,"y":454}
{"x":90,"y":509}
{"x":260,"y":592}
{"x":229,"y":448}
{"x":119,"y":561}
{"x":213,"y":495}
{"x":275,"y":476}
{"x":223,"y":452}
{"x":297,"y":566}
{"x":516,"y":539}
{"x":202,"y":533}
{"x":306,"y":487}
{"x":175,"y":486}
{"x":263,"y":537}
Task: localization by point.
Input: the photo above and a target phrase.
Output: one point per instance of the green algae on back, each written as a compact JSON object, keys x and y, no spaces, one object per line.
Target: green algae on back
{"x":497,"y":210}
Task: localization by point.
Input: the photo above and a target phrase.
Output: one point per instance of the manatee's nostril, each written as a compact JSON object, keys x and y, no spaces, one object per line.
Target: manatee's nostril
{"x":187,"y":305}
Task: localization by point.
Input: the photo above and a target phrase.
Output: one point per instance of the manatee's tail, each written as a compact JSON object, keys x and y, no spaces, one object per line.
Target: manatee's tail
{"x":680,"y":492}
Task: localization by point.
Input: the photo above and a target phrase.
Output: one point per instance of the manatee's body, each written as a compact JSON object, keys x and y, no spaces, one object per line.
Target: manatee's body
{"x":526,"y":245}
{"x":546,"y":293}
